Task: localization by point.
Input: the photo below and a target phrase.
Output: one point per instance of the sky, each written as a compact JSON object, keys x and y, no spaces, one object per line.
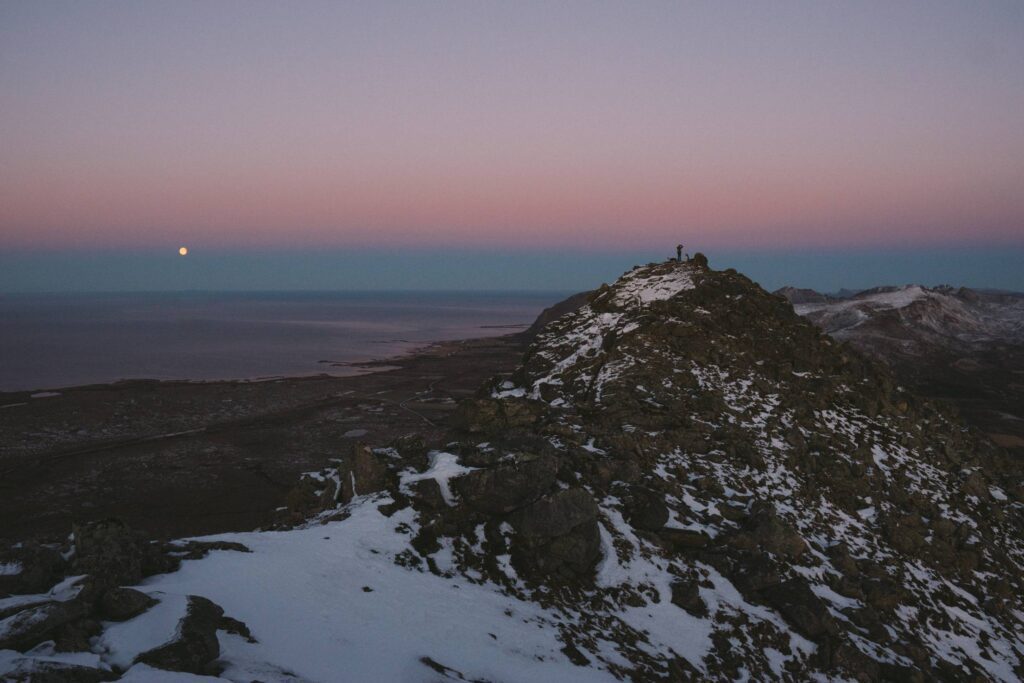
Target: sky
{"x":462,"y":144}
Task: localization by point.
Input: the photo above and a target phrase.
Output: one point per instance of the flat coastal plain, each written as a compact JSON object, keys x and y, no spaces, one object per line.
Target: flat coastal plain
{"x":189,"y":458}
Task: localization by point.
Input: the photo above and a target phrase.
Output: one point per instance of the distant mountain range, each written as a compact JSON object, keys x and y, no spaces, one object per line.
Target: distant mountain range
{"x":961,"y":344}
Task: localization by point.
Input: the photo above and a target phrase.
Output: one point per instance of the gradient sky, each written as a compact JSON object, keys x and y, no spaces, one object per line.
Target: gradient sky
{"x":128,"y":126}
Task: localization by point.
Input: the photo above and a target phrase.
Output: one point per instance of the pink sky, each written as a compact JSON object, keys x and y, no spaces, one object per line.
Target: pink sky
{"x":251,"y":124}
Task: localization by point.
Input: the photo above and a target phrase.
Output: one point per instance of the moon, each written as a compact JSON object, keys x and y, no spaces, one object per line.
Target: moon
{"x":183,"y":251}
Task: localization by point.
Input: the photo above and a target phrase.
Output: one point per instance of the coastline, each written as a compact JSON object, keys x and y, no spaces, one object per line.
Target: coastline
{"x":180,"y":458}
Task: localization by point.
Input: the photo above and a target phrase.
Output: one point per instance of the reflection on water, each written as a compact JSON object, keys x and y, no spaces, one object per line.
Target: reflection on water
{"x":59,"y":340}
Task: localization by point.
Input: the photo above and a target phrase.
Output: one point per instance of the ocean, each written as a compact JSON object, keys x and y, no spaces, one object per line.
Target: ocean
{"x":49,"y":341}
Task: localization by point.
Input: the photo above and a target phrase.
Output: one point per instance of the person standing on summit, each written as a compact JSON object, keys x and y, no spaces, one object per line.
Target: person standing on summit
{"x":679,"y":252}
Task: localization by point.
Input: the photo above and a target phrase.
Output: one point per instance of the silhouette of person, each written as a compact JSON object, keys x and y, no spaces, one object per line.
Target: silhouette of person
{"x":679,"y":252}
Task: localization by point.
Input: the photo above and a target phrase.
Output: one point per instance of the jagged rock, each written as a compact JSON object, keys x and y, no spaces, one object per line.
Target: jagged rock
{"x":195,"y":645}
{"x":364,"y":473}
{"x":558,"y":534}
{"x":686,"y":595}
{"x":119,"y":604}
{"x":506,"y":488}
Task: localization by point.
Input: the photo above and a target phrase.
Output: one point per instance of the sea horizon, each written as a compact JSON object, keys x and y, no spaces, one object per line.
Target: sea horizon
{"x":59,"y":340}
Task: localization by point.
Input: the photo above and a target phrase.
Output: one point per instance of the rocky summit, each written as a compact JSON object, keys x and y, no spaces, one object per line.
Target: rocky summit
{"x":683,"y":480}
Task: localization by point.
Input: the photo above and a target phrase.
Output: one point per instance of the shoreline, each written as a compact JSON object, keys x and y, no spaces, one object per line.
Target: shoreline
{"x":360,"y":367}
{"x":182,"y":458}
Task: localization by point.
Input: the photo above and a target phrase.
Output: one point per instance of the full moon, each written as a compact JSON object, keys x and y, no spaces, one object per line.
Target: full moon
{"x":183,"y":251}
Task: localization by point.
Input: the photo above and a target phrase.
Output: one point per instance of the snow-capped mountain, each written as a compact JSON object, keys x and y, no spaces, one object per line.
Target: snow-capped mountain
{"x":915,"y":318}
{"x":684,"y":480}
{"x":962,"y":345}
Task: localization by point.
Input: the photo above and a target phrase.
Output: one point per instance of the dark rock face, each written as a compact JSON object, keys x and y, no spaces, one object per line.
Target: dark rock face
{"x":120,"y":604}
{"x":506,"y":488}
{"x":489,"y":416}
{"x":195,"y":647}
{"x":557,"y":535}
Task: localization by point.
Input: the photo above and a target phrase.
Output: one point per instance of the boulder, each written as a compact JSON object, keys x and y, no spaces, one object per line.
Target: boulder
{"x":502,"y":489}
{"x":121,"y":604}
{"x":195,"y":645}
{"x":31,"y":626}
{"x":557,"y":535}
{"x":646,"y":510}
{"x":364,"y":473}
{"x":39,"y":567}
{"x":686,"y":595}
{"x":767,"y":531}
{"x":754,"y":571}
{"x":556,"y":514}
{"x":114,"y":554}
{"x":804,"y":610}
{"x":684,"y":539}
{"x":428,"y":493}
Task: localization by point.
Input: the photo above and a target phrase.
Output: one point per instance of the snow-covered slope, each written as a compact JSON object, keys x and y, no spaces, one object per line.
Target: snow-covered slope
{"x":683,"y":481}
{"x":919,"y":316}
